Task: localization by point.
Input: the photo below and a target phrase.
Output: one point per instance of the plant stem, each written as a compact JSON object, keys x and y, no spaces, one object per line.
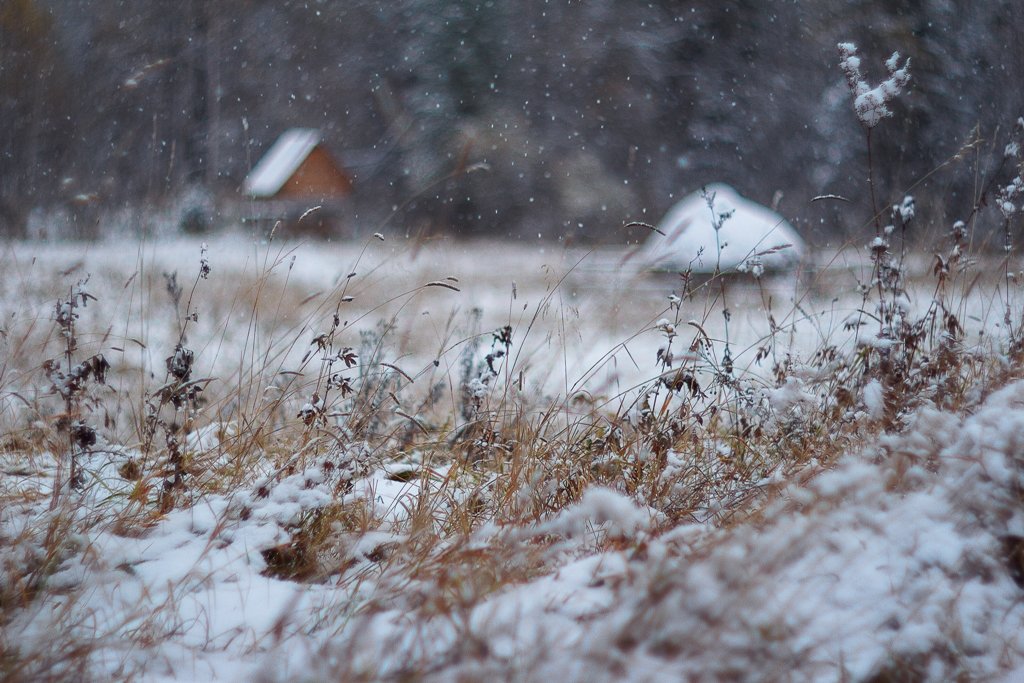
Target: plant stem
{"x":871,"y":187}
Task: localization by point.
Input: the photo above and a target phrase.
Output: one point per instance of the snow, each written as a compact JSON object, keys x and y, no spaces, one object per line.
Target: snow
{"x":906,"y":209}
{"x":746,"y":231}
{"x":893,"y":555}
{"x":874,"y":399}
{"x":281,"y":161}
{"x":871,"y":104}
{"x":599,"y":507}
{"x":791,"y":394}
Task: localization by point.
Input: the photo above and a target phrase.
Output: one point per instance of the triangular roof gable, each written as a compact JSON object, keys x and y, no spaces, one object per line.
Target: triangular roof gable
{"x":281,"y":161}
{"x":750,"y":229}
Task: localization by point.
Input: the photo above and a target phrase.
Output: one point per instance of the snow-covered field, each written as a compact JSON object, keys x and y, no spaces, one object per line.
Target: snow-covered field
{"x":567,"y":307}
{"x":471,"y":509}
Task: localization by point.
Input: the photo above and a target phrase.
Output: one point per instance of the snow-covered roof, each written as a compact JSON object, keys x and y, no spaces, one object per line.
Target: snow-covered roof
{"x":281,"y":161}
{"x":748,"y":232}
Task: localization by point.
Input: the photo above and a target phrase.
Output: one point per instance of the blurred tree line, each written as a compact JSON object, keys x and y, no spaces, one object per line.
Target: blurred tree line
{"x":555,"y":117}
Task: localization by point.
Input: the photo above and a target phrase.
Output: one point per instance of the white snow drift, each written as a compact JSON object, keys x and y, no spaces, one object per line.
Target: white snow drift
{"x":718,"y":228}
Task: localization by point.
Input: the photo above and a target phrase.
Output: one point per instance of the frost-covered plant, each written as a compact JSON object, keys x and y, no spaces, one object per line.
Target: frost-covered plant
{"x":180,"y":390}
{"x":488,"y":368}
{"x":871,"y":103}
{"x":379,"y":384}
{"x":470,"y":393}
{"x":911,"y":358}
{"x":664,"y":408}
{"x":1010,"y":201}
{"x":1010,"y":197}
{"x":336,"y":358}
{"x":70,"y":381}
{"x":356,"y":394}
{"x":332,"y":377}
{"x":479,"y":373}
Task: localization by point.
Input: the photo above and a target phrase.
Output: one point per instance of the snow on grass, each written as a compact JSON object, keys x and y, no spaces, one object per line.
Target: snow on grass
{"x":891,"y":561}
{"x":892,"y":558}
{"x":563,"y":530}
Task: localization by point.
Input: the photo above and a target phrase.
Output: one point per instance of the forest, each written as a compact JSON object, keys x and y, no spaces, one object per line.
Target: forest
{"x":559,"y":119}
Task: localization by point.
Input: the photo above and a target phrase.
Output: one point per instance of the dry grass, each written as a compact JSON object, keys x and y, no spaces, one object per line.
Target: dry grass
{"x":415,"y":438}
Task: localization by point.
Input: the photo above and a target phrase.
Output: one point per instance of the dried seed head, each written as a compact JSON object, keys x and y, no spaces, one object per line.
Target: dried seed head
{"x":204,"y":262}
{"x":82,"y":434}
{"x":179,"y":365}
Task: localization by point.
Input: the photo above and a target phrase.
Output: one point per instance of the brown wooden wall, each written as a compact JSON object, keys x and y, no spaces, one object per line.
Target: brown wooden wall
{"x":317,"y":177}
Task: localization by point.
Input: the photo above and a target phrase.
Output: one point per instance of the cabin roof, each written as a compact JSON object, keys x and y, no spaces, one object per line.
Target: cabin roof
{"x":281,"y":161}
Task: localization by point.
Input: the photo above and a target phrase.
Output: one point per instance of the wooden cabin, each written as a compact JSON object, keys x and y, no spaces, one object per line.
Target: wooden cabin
{"x":296,"y":174}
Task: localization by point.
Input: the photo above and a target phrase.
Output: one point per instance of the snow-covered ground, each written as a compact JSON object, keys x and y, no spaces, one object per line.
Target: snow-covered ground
{"x":577,"y":314}
{"x":902,"y":558}
{"x":896,"y":558}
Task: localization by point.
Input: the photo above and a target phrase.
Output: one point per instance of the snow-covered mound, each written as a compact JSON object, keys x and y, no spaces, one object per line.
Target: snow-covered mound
{"x":748,"y":233}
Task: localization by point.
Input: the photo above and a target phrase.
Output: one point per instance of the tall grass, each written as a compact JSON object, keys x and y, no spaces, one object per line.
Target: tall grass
{"x":253,"y":391}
